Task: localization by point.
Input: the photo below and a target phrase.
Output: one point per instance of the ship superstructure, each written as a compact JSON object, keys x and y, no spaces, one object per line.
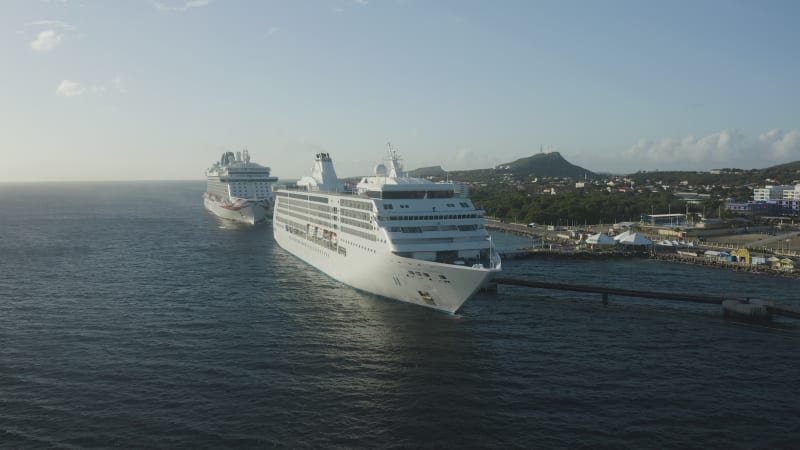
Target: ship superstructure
{"x":239,"y":189}
{"x":396,"y":236}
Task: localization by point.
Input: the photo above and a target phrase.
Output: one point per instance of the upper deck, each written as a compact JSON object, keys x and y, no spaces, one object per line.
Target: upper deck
{"x":238,"y":167}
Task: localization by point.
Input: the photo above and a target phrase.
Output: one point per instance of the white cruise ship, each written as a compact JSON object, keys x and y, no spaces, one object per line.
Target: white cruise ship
{"x":239,"y":189}
{"x":404,"y":238}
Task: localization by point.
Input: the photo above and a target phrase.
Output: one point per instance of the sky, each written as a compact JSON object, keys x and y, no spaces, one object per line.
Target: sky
{"x":158,"y":89}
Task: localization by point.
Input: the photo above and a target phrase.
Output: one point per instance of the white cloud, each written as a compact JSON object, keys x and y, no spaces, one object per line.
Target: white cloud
{"x":46,"y":40}
{"x":118,"y":84}
{"x":53,"y":24}
{"x":718,"y":147}
{"x":180,"y":5}
{"x":727,"y":148}
{"x":69,"y":88}
{"x":468,"y":159}
{"x":779,"y":145}
{"x":50,"y":38}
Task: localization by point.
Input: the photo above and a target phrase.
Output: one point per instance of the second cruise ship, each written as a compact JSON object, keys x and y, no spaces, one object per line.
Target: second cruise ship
{"x":239,"y":189}
{"x":396,"y":236}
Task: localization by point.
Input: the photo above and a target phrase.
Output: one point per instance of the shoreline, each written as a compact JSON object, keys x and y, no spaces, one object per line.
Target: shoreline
{"x":557,"y":248}
{"x":561,"y":253}
{"x":728,"y":265}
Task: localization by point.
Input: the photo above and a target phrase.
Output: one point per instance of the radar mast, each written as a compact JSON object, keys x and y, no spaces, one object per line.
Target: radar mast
{"x":395,"y":167}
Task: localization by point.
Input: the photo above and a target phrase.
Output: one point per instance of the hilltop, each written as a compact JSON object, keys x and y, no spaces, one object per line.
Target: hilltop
{"x":540,"y":165}
{"x":428,"y":172}
{"x":551,"y":165}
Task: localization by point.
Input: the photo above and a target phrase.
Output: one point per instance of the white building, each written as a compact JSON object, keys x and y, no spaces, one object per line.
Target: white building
{"x":783,"y":192}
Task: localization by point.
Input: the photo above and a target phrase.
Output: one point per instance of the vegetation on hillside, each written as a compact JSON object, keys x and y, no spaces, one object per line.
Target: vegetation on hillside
{"x":579,"y":206}
{"x":516,"y":191}
{"x":538,"y":166}
{"x":428,"y":172}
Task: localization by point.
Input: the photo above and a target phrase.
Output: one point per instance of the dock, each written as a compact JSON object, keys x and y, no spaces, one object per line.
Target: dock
{"x":737,"y":307}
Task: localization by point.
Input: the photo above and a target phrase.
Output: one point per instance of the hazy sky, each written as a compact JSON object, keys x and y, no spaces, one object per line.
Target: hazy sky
{"x":107,"y":90}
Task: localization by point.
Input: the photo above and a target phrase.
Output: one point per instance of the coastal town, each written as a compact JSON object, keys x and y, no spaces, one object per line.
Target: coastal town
{"x":753,"y":249}
{"x":732,"y":218}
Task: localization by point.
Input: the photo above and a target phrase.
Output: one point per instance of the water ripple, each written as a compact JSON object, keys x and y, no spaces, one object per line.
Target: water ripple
{"x":145,"y":323}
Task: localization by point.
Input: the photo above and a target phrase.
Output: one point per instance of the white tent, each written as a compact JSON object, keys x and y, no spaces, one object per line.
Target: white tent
{"x":601,"y":240}
{"x":635,"y":239}
{"x":623,"y":235}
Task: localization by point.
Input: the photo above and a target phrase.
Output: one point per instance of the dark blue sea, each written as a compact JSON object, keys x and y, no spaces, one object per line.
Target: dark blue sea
{"x":130,"y":317}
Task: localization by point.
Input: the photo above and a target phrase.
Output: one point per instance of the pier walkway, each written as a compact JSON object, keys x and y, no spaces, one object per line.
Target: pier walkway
{"x":771,"y":307}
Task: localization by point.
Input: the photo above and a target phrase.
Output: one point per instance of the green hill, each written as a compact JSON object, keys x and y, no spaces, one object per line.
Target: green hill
{"x":425,"y":172}
{"x":540,"y":165}
{"x":553,"y":165}
{"x":783,"y":173}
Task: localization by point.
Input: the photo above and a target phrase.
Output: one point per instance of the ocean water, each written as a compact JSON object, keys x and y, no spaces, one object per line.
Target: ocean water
{"x":130,"y":317}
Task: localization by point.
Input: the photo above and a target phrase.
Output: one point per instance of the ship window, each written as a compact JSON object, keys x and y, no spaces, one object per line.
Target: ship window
{"x":401,"y":194}
{"x":464,"y":205}
{"x":387,"y":206}
{"x":440,"y":194}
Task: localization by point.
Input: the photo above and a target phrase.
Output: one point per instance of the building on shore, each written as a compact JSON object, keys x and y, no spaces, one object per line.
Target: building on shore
{"x":665,"y":220}
{"x":783,"y":200}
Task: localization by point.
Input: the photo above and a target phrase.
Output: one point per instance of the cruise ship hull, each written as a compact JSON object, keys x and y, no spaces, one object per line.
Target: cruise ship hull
{"x":251,"y":213}
{"x":444,"y":287}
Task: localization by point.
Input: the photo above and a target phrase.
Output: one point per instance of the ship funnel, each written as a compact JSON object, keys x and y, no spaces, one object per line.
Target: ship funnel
{"x":323,"y":176}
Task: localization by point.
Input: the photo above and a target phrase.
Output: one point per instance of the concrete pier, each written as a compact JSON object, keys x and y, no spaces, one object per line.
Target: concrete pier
{"x":743,"y":308}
